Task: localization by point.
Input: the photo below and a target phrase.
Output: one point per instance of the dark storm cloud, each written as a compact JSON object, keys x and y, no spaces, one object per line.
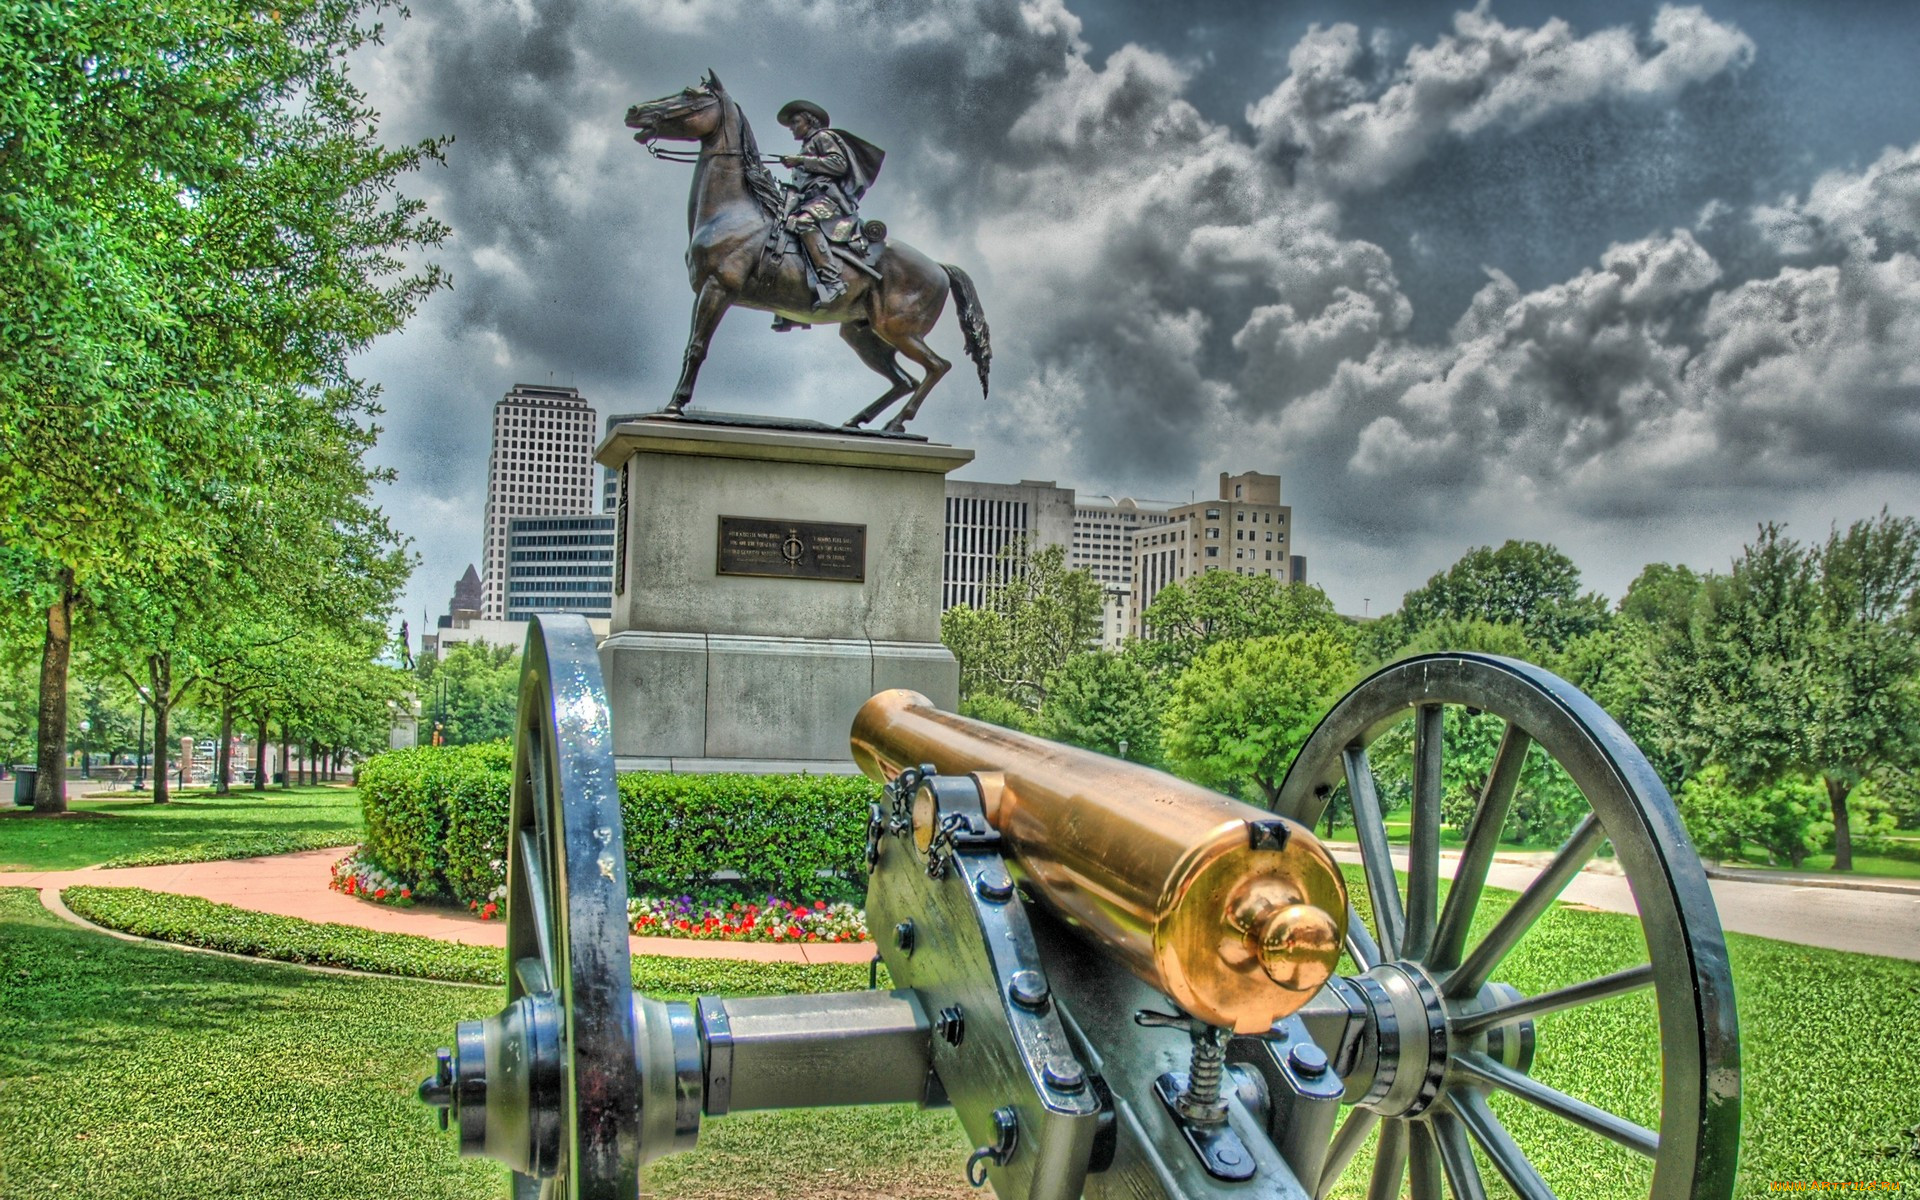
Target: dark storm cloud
{"x":1172,"y":293}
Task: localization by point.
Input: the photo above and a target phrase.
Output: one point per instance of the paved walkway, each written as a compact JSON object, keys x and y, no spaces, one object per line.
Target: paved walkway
{"x":1885,"y":920}
{"x":295,"y":885}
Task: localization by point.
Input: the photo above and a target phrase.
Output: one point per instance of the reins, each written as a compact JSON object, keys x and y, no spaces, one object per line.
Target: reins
{"x":691,"y":156}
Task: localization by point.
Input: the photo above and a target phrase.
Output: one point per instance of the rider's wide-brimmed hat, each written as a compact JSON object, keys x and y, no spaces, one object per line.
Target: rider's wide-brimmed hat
{"x":794,"y":108}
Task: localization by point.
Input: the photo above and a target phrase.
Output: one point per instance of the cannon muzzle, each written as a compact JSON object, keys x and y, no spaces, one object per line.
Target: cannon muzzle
{"x":1235,"y":913}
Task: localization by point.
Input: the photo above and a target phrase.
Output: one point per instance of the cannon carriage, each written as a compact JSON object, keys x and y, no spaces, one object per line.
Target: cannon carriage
{"x":1122,"y":984}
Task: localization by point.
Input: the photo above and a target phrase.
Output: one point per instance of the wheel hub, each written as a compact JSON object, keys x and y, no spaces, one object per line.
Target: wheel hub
{"x":1400,"y":1066}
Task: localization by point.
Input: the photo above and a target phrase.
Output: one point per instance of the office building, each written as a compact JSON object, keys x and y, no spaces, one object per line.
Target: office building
{"x":1104,"y":528}
{"x":560,"y":565}
{"x":610,"y":476}
{"x":1246,"y":530}
{"x":541,"y":465}
{"x":985,"y":519}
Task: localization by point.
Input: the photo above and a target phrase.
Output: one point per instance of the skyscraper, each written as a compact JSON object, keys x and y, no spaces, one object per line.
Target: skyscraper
{"x":542,"y":465}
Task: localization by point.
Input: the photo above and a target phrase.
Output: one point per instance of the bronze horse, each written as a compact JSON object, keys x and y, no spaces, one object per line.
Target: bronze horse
{"x":733,"y":216}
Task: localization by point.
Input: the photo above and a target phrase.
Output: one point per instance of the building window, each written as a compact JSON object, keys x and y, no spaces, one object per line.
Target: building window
{"x":1213,"y":552}
{"x":1213,"y":514}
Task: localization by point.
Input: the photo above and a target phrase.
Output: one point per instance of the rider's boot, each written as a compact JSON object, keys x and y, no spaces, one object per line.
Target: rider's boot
{"x":832,"y":287}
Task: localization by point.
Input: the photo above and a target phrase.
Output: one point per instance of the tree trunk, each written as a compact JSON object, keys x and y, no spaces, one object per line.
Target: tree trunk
{"x":286,"y":757}
{"x":260,"y":754}
{"x":160,"y":682}
{"x":50,"y":785}
{"x":223,"y":761}
{"x":1837,"y":793}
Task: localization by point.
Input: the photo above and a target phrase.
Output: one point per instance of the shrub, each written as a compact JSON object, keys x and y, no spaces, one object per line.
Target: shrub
{"x":437,"y":820}
{"x":1786,"y":820}
{"x":802,"y":836}
{"x":437,"y":817}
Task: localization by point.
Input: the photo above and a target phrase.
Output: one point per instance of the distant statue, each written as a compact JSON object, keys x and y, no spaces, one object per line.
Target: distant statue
{"x":802,"y":253}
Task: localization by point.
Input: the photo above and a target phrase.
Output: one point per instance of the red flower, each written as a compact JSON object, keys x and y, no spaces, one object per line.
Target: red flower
{"x":820,"y":905}
{"x":381,"y":894}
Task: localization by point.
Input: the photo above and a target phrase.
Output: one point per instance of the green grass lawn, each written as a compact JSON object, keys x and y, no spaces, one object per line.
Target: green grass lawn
{"x":130,"y":832}
{"x":134,"y":1071}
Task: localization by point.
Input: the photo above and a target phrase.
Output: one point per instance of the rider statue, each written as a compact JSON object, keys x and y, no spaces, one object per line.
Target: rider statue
{"x":830,"y":174}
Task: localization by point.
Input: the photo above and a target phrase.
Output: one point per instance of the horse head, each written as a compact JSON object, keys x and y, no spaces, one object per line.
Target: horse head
{"x":688,"y":115}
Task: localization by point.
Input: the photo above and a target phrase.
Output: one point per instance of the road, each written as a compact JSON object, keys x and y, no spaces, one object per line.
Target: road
{"x":1864,"y":922}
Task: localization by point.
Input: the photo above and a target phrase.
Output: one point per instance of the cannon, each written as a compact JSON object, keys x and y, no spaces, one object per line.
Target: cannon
{"x":1124,"y":985}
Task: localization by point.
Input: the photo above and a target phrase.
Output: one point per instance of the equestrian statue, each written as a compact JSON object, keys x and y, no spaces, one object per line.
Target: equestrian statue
{"x":800,"y":251}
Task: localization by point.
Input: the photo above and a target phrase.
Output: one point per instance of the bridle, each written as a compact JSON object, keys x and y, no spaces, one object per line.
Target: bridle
{"x":668,"y":154}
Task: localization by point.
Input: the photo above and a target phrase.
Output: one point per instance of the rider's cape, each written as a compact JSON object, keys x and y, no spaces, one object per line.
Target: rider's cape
{"x":864,"y":158}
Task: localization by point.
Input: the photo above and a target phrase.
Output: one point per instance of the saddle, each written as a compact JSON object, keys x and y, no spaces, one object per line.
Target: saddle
{"x":860,"y":243}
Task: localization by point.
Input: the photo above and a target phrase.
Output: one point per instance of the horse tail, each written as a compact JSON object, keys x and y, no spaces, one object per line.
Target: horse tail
{"x":973,"y":322}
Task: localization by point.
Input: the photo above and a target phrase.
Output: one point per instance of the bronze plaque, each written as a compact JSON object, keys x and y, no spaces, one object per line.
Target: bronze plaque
{"x":792,"y":549}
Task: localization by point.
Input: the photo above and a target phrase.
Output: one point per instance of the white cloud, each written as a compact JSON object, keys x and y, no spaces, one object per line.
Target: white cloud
{"x":1485,"y":74}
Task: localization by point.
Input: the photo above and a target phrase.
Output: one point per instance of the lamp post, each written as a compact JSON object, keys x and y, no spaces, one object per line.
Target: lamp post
{"x":140,"y":753}
{"x":1123,"y":747}
{"x":86,"y":762}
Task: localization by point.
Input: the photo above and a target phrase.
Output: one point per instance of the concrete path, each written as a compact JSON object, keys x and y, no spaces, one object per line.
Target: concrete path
{"x":295,"y":885}
{"x":1885,"y":920}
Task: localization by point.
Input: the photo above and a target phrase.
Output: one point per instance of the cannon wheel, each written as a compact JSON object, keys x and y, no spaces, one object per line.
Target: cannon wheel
{"x":567,"y":920}
{"x":1446,"y":1134}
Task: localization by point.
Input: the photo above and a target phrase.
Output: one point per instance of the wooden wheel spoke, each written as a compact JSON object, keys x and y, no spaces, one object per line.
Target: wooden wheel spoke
{"x":1360,"y":943}
{"x":1423,"y":844}
{"x":1389,"y":919}
{"x":1456,"y":1156}
{"x":1497,"y":1144}
{"x":1423,"y":1163}
{"x":1346,"y":1143}
{"x":1614,"y":1128}
{"x":1532,"y":904}
{"x":1606,"y":987}
{"x":533,"y":871}
{"x":1389,"y":1163}
{"x":1483,"y":838}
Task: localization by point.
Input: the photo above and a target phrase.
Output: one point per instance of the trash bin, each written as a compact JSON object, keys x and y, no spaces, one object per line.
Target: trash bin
{"x":23,"y":778}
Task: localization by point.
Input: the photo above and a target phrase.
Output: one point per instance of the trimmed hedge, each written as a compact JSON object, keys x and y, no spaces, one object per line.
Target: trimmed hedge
{"x":800,"y":837}
{"x":437,"y":818}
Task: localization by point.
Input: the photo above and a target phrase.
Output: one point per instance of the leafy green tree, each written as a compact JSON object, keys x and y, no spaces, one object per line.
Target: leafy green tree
{"x":998,"y":710}
{"x":1529,"y":584}
{"x":1028,"y":628}
{"x":472,"y":692}
{"x":1217,"y":606}
{"x":1242,"y":709}
{"x":1100,"y":700}
{"x":198,"y":229}
{"x":1787,"y":819}
{"x":1807,"y":661}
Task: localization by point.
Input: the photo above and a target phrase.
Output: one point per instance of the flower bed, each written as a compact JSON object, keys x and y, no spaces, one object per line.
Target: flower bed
{"x":769,"y":920}
{"x":357,"y":876}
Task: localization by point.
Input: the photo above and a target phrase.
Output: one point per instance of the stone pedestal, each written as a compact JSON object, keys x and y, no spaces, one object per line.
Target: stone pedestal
{"x":768,"y":579}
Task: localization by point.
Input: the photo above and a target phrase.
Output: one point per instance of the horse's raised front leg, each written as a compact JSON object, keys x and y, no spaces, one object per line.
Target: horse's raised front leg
{"x":708,"y":307}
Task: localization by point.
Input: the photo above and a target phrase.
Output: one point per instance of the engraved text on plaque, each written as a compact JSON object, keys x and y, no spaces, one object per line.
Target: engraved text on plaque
{"x":792,"y":549}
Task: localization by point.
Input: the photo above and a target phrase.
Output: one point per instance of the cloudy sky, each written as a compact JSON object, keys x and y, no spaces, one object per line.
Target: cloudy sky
{"x":1626,"y":277}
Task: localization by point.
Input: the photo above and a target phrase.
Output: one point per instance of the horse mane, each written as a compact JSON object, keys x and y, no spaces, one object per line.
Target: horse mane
{"x":760,"y":181}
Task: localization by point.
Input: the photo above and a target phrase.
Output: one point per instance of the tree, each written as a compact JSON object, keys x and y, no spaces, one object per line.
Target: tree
{"x":197,"y":232}
{"x":1216,"y":606}
{"x":1029,"y":626}
{"x":1807,"y":660}
{"x":474,"y":691}
{"x":1242,"y":709}
{"x":1529,"y":584}
{"x":1786,"y":819}
{"x":1099,"y":701}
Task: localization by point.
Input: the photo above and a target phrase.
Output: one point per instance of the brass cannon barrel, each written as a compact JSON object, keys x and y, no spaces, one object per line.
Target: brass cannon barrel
{"x":1235,"y":913}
